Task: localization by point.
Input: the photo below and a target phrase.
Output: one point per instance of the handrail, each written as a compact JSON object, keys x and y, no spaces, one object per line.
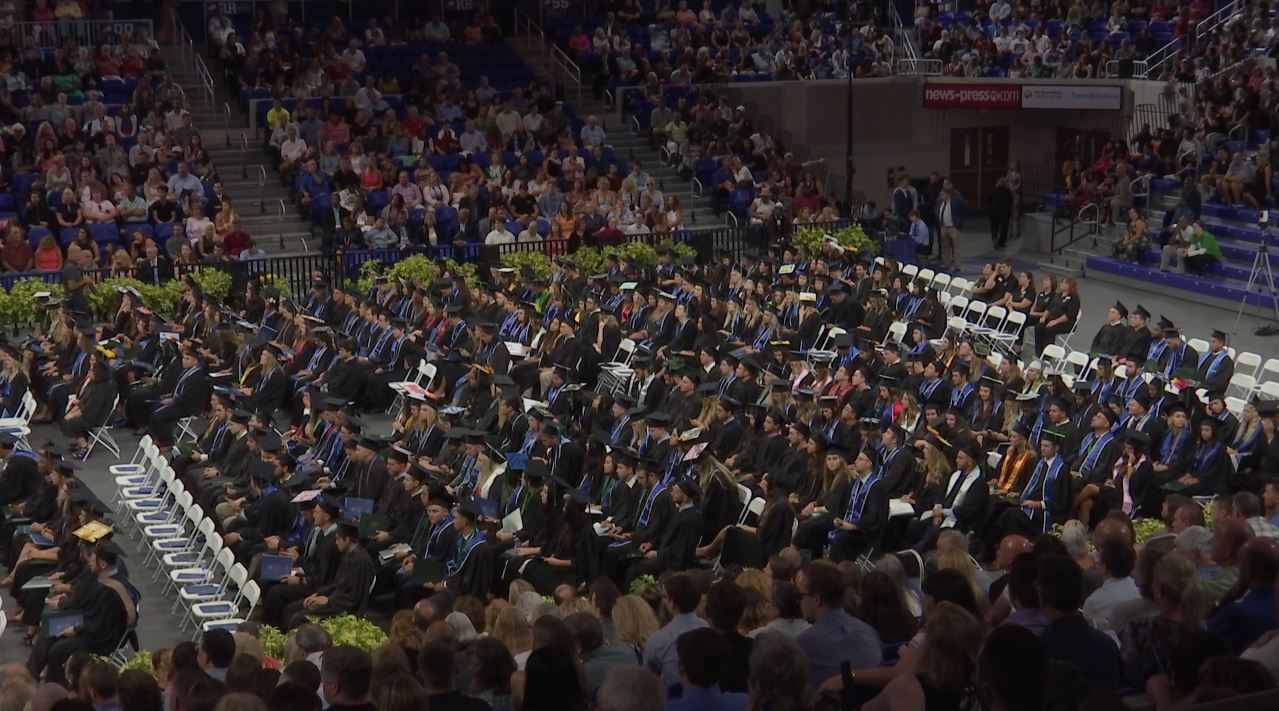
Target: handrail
{"x":244,"y":155}
{"x":205,"y":78}
{"x":226,"y":122}
{"x":530,"y":27}
{"x":730,"y":218}
{"x":562,"y":61}
{"x":261,"y":187}
{"x":185,"y":44}
{"x":919,"y":67}
{"x":900,"y":27}
{"x":1216,"y":19}
{"x":1139,"y":68}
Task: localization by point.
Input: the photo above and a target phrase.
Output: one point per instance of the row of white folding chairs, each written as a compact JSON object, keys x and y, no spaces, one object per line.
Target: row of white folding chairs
{"x":423,"y":375}
{"x":181,"y":542}
{"x":941,"y":281}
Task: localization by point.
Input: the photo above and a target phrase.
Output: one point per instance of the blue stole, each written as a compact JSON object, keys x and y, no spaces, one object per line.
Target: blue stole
{"x":1206,"y":457}
{"x":1097,"y":444}
{"x":1043,"y":478}
{"x":1215,"y":365}
{"x":957,"y":397}
{"x":648,"y":504}
{"x":1171,"y":445}
{"x":461,"y":551}
{"x":858,"y":493}
{"x":619,"y":428}
{"x":928,"y":387}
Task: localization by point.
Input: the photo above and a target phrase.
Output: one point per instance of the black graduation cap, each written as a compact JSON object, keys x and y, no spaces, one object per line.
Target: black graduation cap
{"x":1142,"y":397}
{"x":1164,"y":323}
{"x":469,"y":508}
{"x":67,"y":467}
{"x":801,"y":428}
{"x":729,"y":403}
{"x":241,"y":417}
{"x":399,"y":454}
{"x":1050,"y":435}
{"x":1141,"y":311}
{"x":804,"y":395}
{"x":1022,"y":429}
{"x":780,"y":386}
{"x":1219,"y":335}
{"x":690,"y":488}
{"x":708,"y":388}
{"x":1082,"y":386}
{"x":262,"y":471}
{"x":659,"y":419}
{"x":418,"y":473}
{"x":1267,"y":408}
{"x":1174,"y":408}
{"x":1170,"y":331}
{"x":110,"y":546}
{"x":7,"y":440}
{"x":869,"y":423}
{"x":1137,"y":437}
{"x":1123,"y":310}
{"x":268,"y":441}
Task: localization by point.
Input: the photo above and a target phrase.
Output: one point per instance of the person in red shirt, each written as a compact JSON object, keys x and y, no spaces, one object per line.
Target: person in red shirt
{"x":236,"y":240}
{"x":16,"y":254}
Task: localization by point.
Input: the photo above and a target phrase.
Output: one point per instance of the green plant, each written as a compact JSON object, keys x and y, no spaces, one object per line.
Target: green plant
{"x":279,"y":282}
{"x":466,"y":271}
{"x":1147,"y":528}
{"x":214,"y":283}
{"x":416,"y":269}
{"x":273,"y":641}
{"x":589,"y":260}
{"x":141,"y":661}
{"x":18,"y":305}
{"x":643,"y":581}
{"x":352,"y":630}
{"x":813,"y":239}
{"x":369,"y":271}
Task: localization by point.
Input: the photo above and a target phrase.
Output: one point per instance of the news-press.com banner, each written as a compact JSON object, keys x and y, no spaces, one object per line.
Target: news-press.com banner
{"x":1002,"y":95}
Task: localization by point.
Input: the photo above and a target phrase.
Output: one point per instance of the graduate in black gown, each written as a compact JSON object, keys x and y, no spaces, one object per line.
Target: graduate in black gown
{"x":860,"y":525}
{"x":750,"y":544}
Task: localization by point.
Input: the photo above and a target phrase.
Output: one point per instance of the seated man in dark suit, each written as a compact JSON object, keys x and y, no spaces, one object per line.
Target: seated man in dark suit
{"x":189,"y":397}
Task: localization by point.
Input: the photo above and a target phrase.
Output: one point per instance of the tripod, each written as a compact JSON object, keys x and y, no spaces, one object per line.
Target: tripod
{"x":1262,"y":279}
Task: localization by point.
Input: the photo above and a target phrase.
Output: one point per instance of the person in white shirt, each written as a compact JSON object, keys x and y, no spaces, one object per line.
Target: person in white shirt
{"x":97,"y":209}
{"x":533,"y":120}
{"x":1116,"y":558}
{"x":592,"y":133}
{"x":499,"y":234}
{"x":292,"y":150}
{"x":762,"y":208}
{"x":1000,"y":10}
{"x":369,"y":98}
{"x":353,"y":57}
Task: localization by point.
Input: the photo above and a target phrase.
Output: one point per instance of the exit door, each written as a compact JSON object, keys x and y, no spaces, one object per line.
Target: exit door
{"x":978,"y":158}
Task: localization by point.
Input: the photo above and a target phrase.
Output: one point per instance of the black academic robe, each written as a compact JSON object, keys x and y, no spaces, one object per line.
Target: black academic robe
{"x":678,"y":545}
{"x":349,"y":590}
{"x":725,"y":436}
{"x":899,"y":475}
{"x":1111,"y":338}
{"x":19,"y":479}
{"x":1219,"y":378}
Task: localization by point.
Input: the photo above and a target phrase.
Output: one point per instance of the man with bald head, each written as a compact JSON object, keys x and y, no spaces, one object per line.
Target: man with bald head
{"x":1010,"y":547}
{"x":1242,"y":621}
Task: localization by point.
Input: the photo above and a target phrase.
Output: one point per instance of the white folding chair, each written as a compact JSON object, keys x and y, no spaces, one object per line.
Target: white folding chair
{"x":1269,"y":371}
{"x":744,"y":496}
{"x":21,"y":418}
{"x":1011,"y":329}
{"x":1053,"y":356}
{"x":1269,"y":390}
{"x":959,"y":306}
{"x":156,"y":506}
{"x":1199,"y":344}
{"x":910,"y":270}
{"x":102,"y":435}
{"x":897,"y":332}
{"x":1235,"y":405}
{"x":401,"y":388}
{"x":1241,"y":385}
{"x":1078,"y":362}
{"x":251,"y":594}
{"x":212,"y":590}
{"x":975,"y":314}
{"x":941,"y":282}
{"x":1248,"y":363}
{"x":926,"y":275}
{"x":222,"y":608}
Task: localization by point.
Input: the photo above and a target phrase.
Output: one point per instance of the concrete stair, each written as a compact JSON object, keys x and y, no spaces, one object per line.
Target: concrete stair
{"x":244,"y":166}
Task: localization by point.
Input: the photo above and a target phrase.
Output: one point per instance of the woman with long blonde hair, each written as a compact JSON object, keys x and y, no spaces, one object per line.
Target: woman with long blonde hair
{"x":634,"y":622}
{"x":962,"y":563}
{"x":940,"y":673}
{"x":511,"y":628}
{"x":1180,"y":603}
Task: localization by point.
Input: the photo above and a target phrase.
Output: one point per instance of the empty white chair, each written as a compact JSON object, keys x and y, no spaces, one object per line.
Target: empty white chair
{"x":1269,"y":390}
{"x":941,"y":282}
{"x":221,"y":609}
{"x":1269,"y":370}
{"x":1235,"y":405}
{"x":1199,"y":344}
{"x":897,"y":331}
{"x":1248,"y":363}
{"x":959,"y":305}
{"x":1241,"y":385}
{"x":926,"y":275}
{"x":1078,"y":362}
{"x":1053,"y":356}
{"x":251,"y":594}
{"x":910,"y":270}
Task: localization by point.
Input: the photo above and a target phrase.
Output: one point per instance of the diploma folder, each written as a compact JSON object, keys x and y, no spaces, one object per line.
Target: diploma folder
{"x":274,"y":568}
{"x":57,"y":622}
{"x":427,"y":570}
